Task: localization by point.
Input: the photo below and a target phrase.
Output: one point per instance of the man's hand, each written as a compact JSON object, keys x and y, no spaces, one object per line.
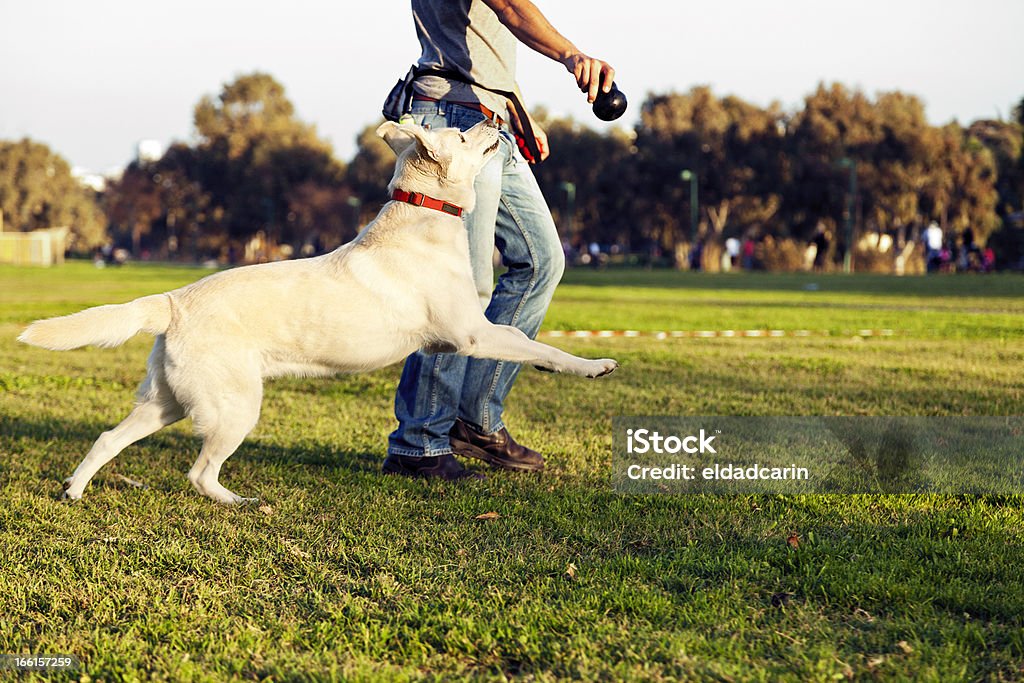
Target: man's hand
{"x":592,"y":75}
{"x":542,"y":140}
{"x":538,"y":134}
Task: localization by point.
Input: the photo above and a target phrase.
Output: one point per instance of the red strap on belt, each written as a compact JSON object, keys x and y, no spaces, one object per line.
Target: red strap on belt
{"x":420,"y":199}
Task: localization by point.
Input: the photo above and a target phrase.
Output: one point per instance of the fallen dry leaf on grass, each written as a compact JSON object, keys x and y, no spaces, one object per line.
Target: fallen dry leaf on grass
{"x":793,"y":540}
{"x":294,"y":549}
{"x":266,"y":509}
{"x":487,"y":515}
{"x":130,"y":482}
{"x":864,"y":614}
{"x":571,"y":570}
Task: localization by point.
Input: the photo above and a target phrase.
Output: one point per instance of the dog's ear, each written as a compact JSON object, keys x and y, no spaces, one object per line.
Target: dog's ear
{"x":400,"y":135}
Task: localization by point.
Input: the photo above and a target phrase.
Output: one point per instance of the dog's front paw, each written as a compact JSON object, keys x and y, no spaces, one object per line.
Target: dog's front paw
{"x":601,"y":367}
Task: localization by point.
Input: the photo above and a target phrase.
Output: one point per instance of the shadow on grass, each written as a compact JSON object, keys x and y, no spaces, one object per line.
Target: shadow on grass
{"x":78,"y":436}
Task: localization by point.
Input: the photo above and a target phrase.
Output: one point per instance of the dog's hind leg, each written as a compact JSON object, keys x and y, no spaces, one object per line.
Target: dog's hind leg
{"x":156,"y":409}
{"x":224,"y":420}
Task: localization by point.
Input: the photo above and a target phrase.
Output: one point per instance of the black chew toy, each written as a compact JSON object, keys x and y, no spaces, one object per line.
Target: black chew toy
{"x":610,"y":105}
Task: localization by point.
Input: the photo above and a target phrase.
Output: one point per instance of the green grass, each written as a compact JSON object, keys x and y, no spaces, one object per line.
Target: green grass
{"x":342,"y":573}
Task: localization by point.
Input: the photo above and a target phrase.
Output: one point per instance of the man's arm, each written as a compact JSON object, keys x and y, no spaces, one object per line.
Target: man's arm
{"x":532,"y":28}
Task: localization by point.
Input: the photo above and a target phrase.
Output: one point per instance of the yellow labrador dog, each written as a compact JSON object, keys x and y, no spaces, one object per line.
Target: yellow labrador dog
{"x":404,"y":283}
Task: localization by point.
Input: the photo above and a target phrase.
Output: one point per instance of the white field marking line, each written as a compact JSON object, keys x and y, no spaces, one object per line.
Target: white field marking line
{"x":711,"y":334}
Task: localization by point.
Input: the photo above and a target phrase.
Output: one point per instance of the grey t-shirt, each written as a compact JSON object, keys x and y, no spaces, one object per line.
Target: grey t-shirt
{"x":465,"y":36}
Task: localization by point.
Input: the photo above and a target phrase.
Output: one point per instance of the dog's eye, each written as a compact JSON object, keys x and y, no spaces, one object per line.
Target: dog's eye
{"x":462,"y":137}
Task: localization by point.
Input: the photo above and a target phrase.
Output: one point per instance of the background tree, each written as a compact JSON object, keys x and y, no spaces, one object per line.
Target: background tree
{"x":668,"y":140}
{"x":253,"y":153}
{"x":369,"y":171}
{"x":834,"y":124}
{"x":324,"y":216}
{"x":1008,"y":242}
{"x":908,"y":172}
{"x":736,"y":150}
{"x":894,"y":169}
{"x":37,"y":191}
{"x":749,"y":157}
{"x":597,"y":166}
{"x":133,"y":204}
{"x":257,"y":169}
{"x":973,"y":195}
{"x":187,"y":205}
{"x":959,"y":189}
{"x":1005,"y":140}
{"x":159,"y":207}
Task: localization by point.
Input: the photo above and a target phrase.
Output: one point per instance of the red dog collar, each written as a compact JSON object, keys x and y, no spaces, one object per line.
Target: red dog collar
{"x":419,"y":199}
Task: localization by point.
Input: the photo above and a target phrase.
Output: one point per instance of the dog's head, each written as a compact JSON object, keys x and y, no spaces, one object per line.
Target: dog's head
{"x":442,"y":163}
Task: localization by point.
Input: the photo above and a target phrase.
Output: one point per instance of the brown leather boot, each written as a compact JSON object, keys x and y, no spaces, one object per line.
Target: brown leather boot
{"x":498,"y":449}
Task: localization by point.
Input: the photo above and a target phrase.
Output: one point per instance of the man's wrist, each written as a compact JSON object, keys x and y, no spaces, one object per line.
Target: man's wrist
{"x":568,"y":56}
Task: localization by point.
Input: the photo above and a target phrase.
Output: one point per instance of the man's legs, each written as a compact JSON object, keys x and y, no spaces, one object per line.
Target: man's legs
{"x":431,"y":385}
{"x":511,"y":213}
{"x":532,"y":253}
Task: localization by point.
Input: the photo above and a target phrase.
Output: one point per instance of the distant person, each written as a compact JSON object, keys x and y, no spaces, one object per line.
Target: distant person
{"x":971,"y":252}
{"x":967,"y":237}
{"x":963,"y":263}
{"x":820,"y":241}
{"x":748,"y":253}
{"x":732,"y":249}
{"x":933,"y":247}
{"x":696,"y":255}
{"x":988,"y":260}
{"x":946,"y":257}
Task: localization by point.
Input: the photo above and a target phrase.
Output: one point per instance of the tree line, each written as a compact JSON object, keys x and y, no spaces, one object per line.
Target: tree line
{"x":257,"y":182}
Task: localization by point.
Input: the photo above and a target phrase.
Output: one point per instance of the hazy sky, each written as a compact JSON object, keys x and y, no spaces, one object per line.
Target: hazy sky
{"x":92,"y":78}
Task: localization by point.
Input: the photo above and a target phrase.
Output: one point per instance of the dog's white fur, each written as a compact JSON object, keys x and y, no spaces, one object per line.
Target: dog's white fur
{"x":404,"y":283}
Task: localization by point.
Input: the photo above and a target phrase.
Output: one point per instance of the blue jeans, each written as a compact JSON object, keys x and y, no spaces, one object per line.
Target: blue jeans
{"x":511,"y":214}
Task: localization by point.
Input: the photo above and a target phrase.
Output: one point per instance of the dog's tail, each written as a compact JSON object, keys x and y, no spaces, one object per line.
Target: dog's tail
{"x":102,"y":326}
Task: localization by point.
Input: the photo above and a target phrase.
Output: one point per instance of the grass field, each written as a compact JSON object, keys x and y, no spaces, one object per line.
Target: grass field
{"x":341,"y":573}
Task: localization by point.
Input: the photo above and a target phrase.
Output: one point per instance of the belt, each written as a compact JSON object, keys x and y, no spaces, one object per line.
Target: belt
{"x":472,"y":105}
